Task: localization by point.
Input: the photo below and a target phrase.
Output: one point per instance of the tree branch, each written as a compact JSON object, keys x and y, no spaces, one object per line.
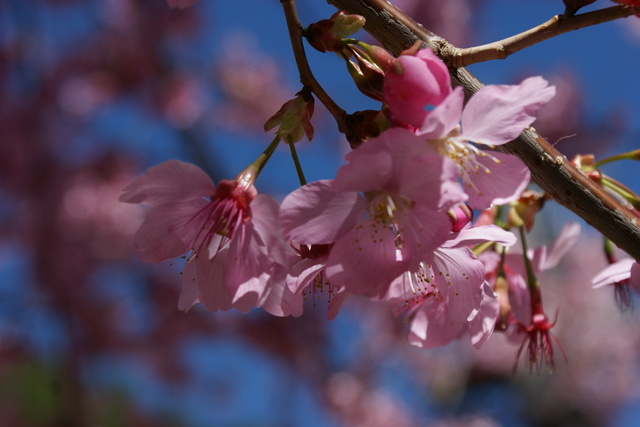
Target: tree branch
{"x":306,"y":76}
{"x":549,"y":168}
{"x":557,"y":25}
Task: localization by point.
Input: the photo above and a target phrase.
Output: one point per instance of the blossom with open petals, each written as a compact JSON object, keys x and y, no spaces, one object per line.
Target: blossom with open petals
{"x":493,"y":116}
{"x":447,"y":294}
{"x":229,"y":231}
{"x":384,"y":212}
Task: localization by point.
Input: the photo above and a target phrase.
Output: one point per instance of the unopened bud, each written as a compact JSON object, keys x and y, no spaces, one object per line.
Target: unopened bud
{"x":460,"y":216}
{"x":523,"y":211}
{"x":294,"y":118}
{"x":346,"y":24}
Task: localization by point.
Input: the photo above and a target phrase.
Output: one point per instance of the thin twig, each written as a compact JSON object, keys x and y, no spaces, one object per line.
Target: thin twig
{"x":555,"y":26}
{"x":550,"y":170}
{"x":306,"y":76}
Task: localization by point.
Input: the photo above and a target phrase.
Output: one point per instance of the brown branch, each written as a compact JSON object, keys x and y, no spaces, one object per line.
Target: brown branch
{"x":557,"y":25}
{"x":306,"y":76}
{"x":550,"y":169}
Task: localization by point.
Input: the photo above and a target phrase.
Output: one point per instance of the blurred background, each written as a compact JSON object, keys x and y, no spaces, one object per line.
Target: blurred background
{"x":93,"y":92}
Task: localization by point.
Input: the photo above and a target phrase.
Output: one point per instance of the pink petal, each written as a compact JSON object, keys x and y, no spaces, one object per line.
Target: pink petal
{"x":432,"y":327}
{"x":444,"y":118}
{"x":210,"y":279}
{"x":519,"y":297}
{"x":169,"y":182}
{"x":616,"y":272}
{"x":304,"y":272}
{"x":496,"y":115}
{"x":282,"y":302}
{"x":561,"y":245}
{"x":459,"y":276}
{"x":424,"y":80}
{"x":482,"y":325}
{"x":366,"y":265}
{"x":189,"y":293}
{"x":169,"y":230}
{"x":483,"y":233}
{"x":314,"y":214}
{"x":502,"y":185}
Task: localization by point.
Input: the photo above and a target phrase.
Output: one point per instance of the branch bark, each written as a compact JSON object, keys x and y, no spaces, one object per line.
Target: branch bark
{"x":550,"y":170}
{"x":555,"y":26}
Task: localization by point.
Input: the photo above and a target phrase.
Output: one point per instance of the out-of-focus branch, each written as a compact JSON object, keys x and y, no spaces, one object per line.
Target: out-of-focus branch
{"x":555,"y":26}
{"x":306,"y":76}
{"x":549,"y":168}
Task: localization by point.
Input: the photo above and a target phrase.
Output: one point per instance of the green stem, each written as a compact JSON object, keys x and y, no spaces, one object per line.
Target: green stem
{"x":266,"y":155}
{"x":532,"y":280}
{"x":631,"y":155}
{"x":296,"y":161}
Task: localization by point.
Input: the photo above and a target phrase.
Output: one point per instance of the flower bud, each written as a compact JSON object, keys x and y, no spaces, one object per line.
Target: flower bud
{"x":460,"y":216}
{"x":294,"y":119}
{"x":345,"y":25}
{"x":523,"y":211}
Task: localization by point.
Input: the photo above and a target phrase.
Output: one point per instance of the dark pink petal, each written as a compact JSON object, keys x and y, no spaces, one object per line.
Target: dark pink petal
{"x":169,"y":182}
{"x":314,"y":214}
{"x":497,"y":114}
{"x":505,"y":182}
{"x":169,"y":230}
{"x":422,"y":80}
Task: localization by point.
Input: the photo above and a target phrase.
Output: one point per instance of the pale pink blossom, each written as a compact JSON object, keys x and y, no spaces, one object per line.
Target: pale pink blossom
{"x":376,"y":213}
{"x":412,"y":84}
{"x":448,"y":293}
{"x":229,"y":231}
{"x":493,"y":116}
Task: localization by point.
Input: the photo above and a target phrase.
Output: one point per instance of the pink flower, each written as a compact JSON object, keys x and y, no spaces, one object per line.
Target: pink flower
{"x":230,"y":232}
{"x":624,"y":275}
{"x":493,"y":116}
{"x":448,"y":292}
{"x":392,"y":227}
{"x":307,"y":277}
{"x":413,"y":83}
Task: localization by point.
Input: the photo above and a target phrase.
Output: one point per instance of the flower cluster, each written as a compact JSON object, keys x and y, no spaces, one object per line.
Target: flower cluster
{"x":394,"y":225}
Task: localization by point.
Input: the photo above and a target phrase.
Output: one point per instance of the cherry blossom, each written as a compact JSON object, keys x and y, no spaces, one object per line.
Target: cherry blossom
{"x":376,"y":213}
{"x":448,"y":292}
{"x":493,"y":116}
{"x":230,"y":232}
